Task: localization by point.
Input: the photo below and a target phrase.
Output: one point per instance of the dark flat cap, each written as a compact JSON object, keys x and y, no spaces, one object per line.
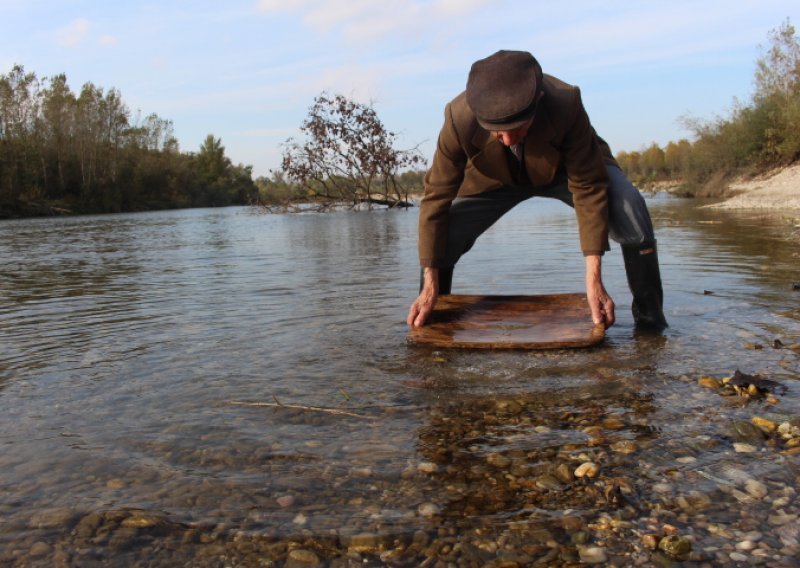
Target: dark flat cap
{"x":502,"y":89}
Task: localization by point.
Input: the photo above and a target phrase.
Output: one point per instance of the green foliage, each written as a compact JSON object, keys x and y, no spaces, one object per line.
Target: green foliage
{"x":760,"y":135}
{"x":84,"y":152}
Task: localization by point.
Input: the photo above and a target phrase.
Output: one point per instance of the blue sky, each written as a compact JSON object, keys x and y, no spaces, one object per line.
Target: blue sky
{"x":248,"y":70}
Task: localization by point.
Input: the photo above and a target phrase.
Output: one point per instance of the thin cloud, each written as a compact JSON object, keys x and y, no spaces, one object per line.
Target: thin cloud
{"x":107,"y":40}
{"x":362,"y":21}
{"x":74,"y":34}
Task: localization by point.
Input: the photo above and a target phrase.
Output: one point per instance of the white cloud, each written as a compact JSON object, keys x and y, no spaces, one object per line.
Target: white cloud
{"x":364,"y":20}
{"x":107,"y":40}
{"x":74,"y":34}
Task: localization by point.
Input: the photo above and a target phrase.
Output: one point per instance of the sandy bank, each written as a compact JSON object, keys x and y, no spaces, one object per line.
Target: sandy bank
{"x":776,"y":190}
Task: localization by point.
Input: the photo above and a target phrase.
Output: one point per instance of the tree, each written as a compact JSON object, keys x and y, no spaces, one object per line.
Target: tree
{"x":347,"y":156}
{"x":777,"y":94}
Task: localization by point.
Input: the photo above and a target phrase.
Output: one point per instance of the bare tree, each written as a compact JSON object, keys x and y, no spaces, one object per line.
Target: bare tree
{"x":347,"y":157}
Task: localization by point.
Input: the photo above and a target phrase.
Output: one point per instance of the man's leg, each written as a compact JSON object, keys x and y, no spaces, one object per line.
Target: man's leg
{"x":631,"y":227}
{"x":468,"y":219}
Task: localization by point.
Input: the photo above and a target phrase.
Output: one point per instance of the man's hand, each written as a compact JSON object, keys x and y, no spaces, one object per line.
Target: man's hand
{"x":600,"y":303}
{"x":423,"y":305}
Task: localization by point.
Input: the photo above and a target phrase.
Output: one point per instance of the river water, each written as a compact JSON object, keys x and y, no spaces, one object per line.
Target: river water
{"x":218,"y":387}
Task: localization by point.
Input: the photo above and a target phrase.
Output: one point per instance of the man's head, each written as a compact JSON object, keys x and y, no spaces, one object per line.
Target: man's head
{"x":502,"y":91}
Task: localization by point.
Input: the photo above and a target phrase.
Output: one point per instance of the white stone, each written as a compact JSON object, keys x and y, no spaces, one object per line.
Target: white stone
{"x":738,"y":557}
{"x":742,"y":448}
{"x":592,"y":554}
{"x":428,"y":467}
{"x":428,"y":509}
{"x":745,"y":545}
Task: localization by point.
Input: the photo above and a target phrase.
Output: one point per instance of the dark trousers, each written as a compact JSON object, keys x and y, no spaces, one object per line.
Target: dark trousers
{"x":470,"y":217}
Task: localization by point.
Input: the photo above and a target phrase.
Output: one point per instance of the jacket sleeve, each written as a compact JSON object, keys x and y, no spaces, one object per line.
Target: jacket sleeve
{"x":442,"y":183}
{"x":588,"y":181}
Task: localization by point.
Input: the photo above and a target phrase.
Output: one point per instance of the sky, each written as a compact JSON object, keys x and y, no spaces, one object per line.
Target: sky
{"x":247,"y":71}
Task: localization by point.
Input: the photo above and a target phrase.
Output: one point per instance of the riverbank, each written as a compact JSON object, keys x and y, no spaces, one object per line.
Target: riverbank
{"x":775,"y":190}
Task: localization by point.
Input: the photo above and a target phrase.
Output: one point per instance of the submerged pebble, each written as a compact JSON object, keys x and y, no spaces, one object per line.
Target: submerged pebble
{"x":587,"y":469}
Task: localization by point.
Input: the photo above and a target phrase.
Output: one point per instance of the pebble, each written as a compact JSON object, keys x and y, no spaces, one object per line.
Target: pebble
{"x":738,"y":557}
{"x":587,"y":469}
{"x":592,"y":554}
{"x":428,"y":509}
{"x":764,"y":424}
{"x":428,"y":467}
{"x":364,"y":542}
{"x":40,"y":549}
{"x":301,"y":557}
{"x":285,"y":501}
{"x":650,"y":541}
{"x":781,"y":519}
{"x":755,"y":488}
{"x":709,"y":382}
{"x":140,"y":521}
{"x":676,"y":546}
{"x":742,"y":448}
{"x":115,"y":483}
{"x":625,"y":446}
{"x":498,"y":460}
{"x":745,"y":545}
{"x":613,"y":423}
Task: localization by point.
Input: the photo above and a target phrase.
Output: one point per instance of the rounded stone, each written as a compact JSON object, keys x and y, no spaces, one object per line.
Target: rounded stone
{"x":427,"y":467}
{"x":115,"y":483}
{"x":428,"y":509}
{"x":301,"y":557}
{"x":755,"y":488}
{"x":285,"y":501}
{"x":40,"y":549}
{"x":625,"y":446}
{"x":498,"y":460}
{"x":676,"y":546}
{"x":592,"y":554}
{"x":764,"y":424}
{"x":745,"y":545}
{"x":587,"y":469}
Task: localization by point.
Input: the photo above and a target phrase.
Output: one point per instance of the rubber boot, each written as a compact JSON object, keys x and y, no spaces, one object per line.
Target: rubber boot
{"x":445,"y":280}
{"x":644,"y":280}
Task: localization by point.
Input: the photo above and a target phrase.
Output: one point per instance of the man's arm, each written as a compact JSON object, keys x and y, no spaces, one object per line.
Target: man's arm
{"x":423,"y":305}
{"x":600,"y":303}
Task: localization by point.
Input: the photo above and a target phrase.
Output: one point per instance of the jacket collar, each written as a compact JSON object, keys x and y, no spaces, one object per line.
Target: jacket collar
{"x":492,"y":158}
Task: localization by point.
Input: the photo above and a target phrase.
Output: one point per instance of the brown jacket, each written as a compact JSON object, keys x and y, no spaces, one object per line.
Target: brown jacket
{"x":468,"y":161}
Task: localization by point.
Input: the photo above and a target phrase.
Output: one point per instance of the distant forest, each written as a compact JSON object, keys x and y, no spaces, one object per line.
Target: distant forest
{"x":85,"y":152}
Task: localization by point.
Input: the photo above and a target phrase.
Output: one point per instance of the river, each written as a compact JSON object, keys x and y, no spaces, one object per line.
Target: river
{"x":218,"y":387}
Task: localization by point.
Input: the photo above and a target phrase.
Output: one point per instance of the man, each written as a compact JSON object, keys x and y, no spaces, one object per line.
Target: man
{"x":516,"y":133}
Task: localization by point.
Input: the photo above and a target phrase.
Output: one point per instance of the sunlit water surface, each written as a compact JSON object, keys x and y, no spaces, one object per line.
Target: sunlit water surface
{"x":135,"y":351}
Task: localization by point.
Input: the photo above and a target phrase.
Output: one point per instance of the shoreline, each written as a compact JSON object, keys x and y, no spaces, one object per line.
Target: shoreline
{"x":774,"y":190}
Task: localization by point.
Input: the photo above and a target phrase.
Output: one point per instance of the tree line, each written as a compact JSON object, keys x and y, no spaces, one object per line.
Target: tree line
{"x":85,"y":152}
{"x":761,"y":134}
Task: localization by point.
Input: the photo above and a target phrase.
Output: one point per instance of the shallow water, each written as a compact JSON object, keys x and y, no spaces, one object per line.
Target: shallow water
{"x":135,"y":351}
